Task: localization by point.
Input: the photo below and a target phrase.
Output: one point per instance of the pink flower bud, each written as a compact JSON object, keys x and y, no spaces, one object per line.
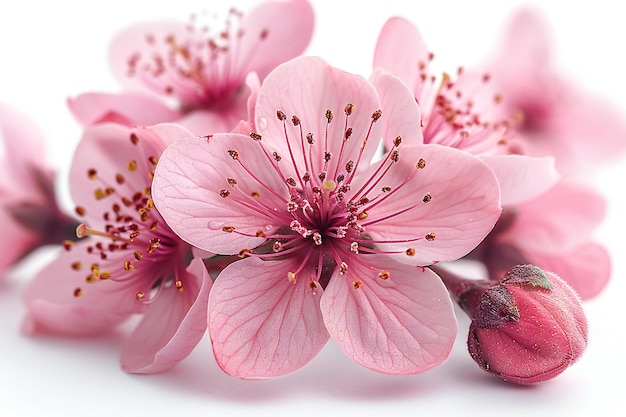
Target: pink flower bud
{"x":527,"y":328}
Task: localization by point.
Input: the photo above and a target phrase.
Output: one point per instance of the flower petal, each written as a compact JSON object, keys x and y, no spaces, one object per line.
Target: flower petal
{"x":274,"y":21}
{"x":522,"y":178}
{"x":399,"y":37}
{"x":320,"y":88}
{"x":129,"y":109}
{"x":262,"y":324}
{"x":119,"y":166}
{"x":442,"y":210}
{"x":172,"y":326}
{"x":586,"y":268}
{"x":24,"y":150}
{"x":59,"y":300}
{"x":211,"y":201}
{"x":404,"y":324}
{"x":401,"y":114}
{"x":558,"y":220}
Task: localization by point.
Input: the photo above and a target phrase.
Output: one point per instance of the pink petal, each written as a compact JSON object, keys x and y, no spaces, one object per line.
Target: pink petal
{"x":402,"y":325}
{"x":586,"y":268}
{"x":584,"y":132}
{"x":444,"y":210}
{"x":261,"y":324}
{"x":400,"y":38}
{"x":172,"y":326}
{"x":15,"y":243}
{"x":401,"y":114}
{"x":527,"y":45}
{"x":208,"y":122}
{"x":59,"y":300}
{"x":558,"y":220}
{"x":24,"y":148}
{"x":274,"y":21}
{"x":522,"y":178}
{"x":128,"y":108}
{"x":111,"y":144}
{"x":325,"y":88}
{"x":192,"y":192}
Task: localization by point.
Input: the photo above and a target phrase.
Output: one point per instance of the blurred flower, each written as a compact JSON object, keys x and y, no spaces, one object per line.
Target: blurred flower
{"x":330,"y":240}
{"x":527,"y":328}
{"x":465,"y":112}
{"x":555,"y":231}
{"x":129,"y":260}
{"x":200,"y":67}
{"x":29,"y":212}
{"x":556,"y":116}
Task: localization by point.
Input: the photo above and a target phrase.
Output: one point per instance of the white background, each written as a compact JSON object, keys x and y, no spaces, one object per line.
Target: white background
{"x":51,"y":50}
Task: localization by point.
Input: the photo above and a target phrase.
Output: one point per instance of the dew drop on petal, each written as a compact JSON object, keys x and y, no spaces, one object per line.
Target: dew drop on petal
{"x":262,"y":123}
{"x":215,"y":225}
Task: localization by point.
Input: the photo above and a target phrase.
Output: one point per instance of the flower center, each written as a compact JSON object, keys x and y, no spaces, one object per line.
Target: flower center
{"x":200,"y":66}
{"x":132,"y":243}
{"x":328,"y":209}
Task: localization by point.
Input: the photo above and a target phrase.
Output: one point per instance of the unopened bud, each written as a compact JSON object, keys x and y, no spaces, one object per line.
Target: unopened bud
{"x":527,"y":328}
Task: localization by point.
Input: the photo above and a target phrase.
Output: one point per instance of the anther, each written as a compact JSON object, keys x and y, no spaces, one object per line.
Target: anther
{"x":255,"y":136}
{"x":224,"y":193}
{"x":78,"y":292}
{"x":421,"y":164}
{"x":295,"y":120}
{"x":291,"y":276}
{"x":92,"y":174}
{"x":233,"y":154}
{"x":430,"y":236}
{"x":427,"y":198}
{"x":281,"y":115}
{"x":354,"y":247}
{"x":329,"y":115}
{"x":376,"y":115}
{"x":384,"y":275}
{"x":134,"y":139}
{"x":343,"y":268}
{"x":410,"y":252}
{"x":228,"y":229}
{"x":349,"y":109}
{"x":356,"y":285}
{"x":132,"y":165}
{"x":80,"y":210}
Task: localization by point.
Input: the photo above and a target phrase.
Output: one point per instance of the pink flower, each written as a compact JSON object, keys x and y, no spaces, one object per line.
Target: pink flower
{"x":29,"y":212}
{"x":558,"y":118}
{"x":466,"y":112}
{"x":554,"y":230}
{"x":331,"y":241}
{"x":129,"y":262}
{"x":202,"y":67}
{"x":527,"y":328}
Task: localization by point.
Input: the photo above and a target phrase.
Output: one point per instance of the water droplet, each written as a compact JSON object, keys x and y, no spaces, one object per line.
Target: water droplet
{"x":215,"y":225}
{"x":268,"y":227}
{"x":262,"y":123}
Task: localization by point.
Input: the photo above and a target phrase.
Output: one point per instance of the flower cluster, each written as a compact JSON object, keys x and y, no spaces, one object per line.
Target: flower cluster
{"x":240,"y":190}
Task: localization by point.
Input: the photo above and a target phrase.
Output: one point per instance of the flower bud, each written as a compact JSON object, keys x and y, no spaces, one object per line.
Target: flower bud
{"x":527,"y":328}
